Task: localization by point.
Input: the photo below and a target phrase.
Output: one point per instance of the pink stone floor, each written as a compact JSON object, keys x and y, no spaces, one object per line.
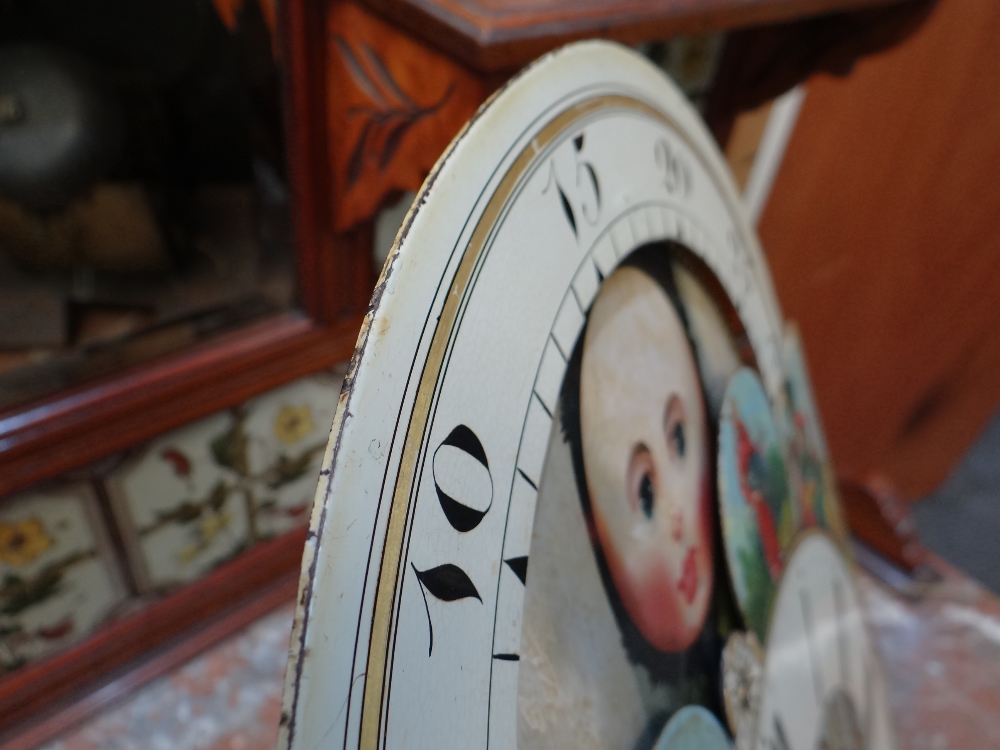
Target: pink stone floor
{"x":941,"y":656}
{"x":228,"y":698}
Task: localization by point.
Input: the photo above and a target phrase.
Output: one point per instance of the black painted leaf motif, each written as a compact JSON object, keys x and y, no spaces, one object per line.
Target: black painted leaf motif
{"x":448,"y":583}
{"x":578,"y":142}
{"x":520,"y":567}
{"x":462,"y":479}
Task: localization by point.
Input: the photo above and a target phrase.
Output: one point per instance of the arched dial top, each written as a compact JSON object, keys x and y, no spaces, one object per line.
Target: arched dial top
{"x":408,"y":631}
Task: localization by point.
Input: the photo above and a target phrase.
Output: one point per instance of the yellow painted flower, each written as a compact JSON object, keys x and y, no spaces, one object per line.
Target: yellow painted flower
{"x":188,"y":552}
{"x":208,"y":529}
{"x":213,"y":524}
{"x":22,"y":542}
{"x":293,"y":423}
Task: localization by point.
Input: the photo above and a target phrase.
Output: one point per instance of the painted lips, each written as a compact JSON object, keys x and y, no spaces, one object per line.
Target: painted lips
{"x":688,"y":583}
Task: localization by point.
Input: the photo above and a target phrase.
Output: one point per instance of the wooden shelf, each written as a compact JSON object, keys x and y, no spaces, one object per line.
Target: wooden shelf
{"x":83,"y":425}
{"x":492,"y":35}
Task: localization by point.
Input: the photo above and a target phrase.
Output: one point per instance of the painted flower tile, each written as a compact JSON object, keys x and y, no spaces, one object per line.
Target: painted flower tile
{"x":179,"y":505}
{"x":58,"y":577}
{"x":200,"y":495}
{"x":287,"y":430}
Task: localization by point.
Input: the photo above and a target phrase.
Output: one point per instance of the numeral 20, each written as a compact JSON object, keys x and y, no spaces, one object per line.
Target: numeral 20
{"x":674,"y":168}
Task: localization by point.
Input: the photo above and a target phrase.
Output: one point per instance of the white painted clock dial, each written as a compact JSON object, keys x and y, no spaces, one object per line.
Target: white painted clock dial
{"x":587,"y":178}
{"x":822,"y":686}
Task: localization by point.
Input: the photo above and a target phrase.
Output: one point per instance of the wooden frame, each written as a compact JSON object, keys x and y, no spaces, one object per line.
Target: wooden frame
{"x":51,"y":435}
{"x":85,"y":424}
{"x":59,"y":433}
{"x":489,"y":37}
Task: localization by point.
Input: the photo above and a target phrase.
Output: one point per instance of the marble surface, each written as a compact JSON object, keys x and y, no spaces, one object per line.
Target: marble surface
{"x":941,"y":654}
{"x":228,"y":698}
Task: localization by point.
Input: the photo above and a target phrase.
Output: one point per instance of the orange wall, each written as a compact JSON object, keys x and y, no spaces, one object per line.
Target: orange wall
{"x":883,"y":234}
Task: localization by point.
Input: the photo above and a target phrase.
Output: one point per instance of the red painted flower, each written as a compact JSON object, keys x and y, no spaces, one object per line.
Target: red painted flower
{"x":180,"y":463}
{"x":55,"y":632}
{"x":751,"y":465}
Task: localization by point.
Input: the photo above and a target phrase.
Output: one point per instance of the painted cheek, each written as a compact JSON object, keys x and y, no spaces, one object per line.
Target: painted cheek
{"x":677,"y":525}
{"x":654,"y":603}
{"x":649,"y":593}
{"x":705,"y":559}
{"x":688,"y":582}
{"x":697,"y":572}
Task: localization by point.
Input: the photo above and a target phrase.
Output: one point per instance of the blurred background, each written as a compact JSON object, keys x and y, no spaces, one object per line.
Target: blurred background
{"x":196,"y":198}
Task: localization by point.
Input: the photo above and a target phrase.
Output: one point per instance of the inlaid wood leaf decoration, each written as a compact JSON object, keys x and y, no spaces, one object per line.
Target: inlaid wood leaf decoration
{"x":447,"y":582}
{"x":390,"y":114}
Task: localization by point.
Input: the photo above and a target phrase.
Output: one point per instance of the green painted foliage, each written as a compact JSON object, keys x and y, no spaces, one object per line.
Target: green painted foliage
{"x":759,"y":588}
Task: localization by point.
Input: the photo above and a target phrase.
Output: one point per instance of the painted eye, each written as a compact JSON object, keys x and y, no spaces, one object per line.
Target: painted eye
{"x":646,"y":495}
{"x":677,"y":438}
{"x":641,"y":481}
{"x":673,"y":427}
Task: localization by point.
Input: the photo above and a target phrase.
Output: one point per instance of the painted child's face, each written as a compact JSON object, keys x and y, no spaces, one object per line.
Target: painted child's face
{"x":644,"y":439}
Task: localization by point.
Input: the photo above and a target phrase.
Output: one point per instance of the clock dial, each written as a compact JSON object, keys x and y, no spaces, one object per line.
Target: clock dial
{"x":822,"y":687}
{"x":619,"y":628}
{"x":513,"y":539}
